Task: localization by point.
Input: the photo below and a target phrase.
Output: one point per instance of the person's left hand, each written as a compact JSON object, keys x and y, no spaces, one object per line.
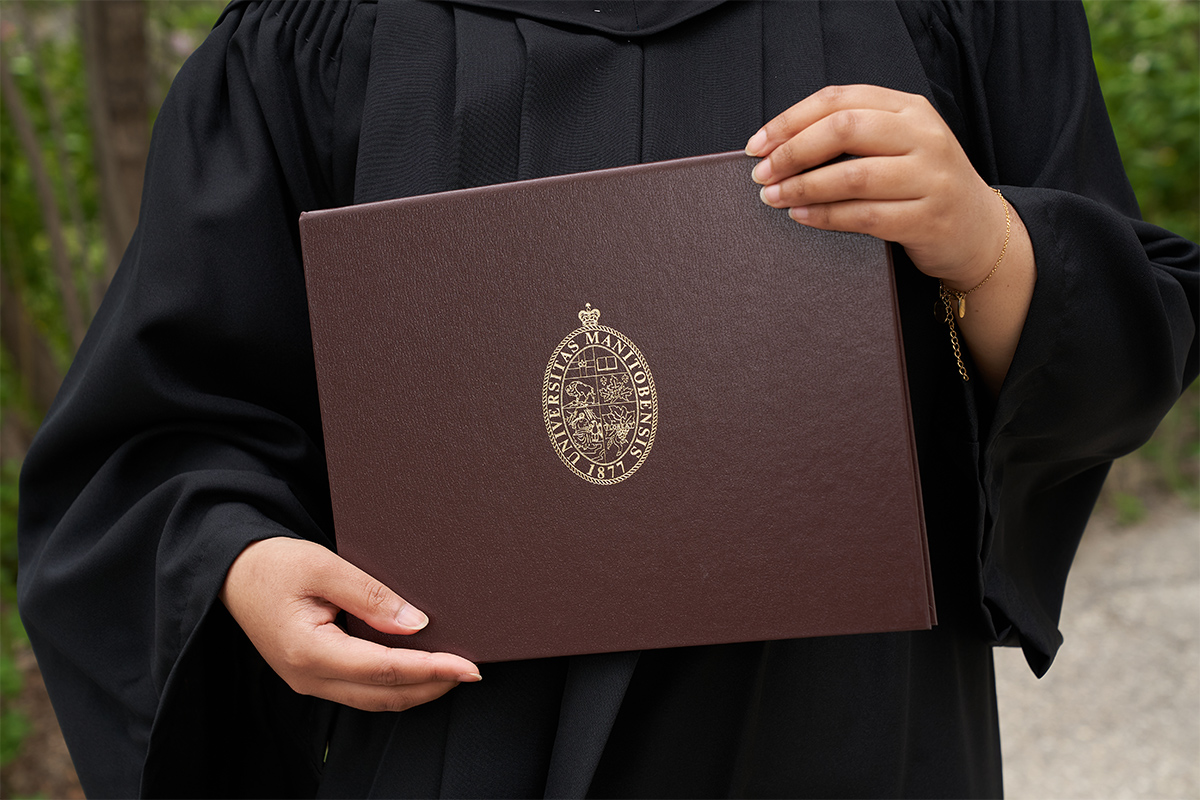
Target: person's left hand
{"x":912,"y":183}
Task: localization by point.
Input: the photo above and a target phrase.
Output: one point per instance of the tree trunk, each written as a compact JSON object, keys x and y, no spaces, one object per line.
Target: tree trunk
{"x":34,"y":363}
{"x":51,"y":219}
{"x":118,"y":68}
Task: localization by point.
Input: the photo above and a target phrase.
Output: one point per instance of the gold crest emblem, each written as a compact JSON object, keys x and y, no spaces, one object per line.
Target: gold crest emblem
{"x":599,"y":402}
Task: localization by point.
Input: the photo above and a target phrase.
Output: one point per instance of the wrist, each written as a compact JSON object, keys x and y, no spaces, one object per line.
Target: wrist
{"x":985,"y":268}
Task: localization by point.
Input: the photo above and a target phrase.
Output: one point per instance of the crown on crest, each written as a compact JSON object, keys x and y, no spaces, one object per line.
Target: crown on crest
{"x":590,"y":317}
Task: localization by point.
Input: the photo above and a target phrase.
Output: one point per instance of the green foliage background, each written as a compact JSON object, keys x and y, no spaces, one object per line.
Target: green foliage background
{"x":1147,"y":54}
{"x":174,"y":28}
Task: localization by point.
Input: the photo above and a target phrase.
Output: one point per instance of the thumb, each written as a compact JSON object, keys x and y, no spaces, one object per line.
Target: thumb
{"x":357,"y":593}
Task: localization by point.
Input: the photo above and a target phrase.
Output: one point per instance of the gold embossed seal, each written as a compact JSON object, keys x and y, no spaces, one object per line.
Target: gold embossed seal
{"x":599,"y":402}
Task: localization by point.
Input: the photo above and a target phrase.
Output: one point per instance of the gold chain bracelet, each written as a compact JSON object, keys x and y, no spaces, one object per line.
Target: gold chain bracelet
{"x":957,"y":301}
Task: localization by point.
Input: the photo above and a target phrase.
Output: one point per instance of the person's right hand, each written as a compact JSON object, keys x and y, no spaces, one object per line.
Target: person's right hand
{"x":286,"y":594}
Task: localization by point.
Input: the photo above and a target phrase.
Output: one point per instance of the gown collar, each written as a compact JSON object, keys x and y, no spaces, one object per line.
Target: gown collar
{"x":628,"y":18}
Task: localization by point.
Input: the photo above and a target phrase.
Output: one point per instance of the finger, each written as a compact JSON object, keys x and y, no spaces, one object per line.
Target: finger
{"x":819,"y":105}
{"x":356,"y":592}
{"x":335,"y":655}
{"x":873,"y":178}
{"x":857,"y":131}
{"x":381,"y":698}
{"x":892,"y":220}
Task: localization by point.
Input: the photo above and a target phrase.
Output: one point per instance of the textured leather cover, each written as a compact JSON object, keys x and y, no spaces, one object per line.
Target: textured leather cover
{"x":779,"y":497}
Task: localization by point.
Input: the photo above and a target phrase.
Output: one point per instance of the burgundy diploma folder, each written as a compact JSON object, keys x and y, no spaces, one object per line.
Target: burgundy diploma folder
{"x":624,"y":409}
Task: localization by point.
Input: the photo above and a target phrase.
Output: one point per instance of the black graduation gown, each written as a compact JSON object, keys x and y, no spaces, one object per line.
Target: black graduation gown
{"x":188,"y":426}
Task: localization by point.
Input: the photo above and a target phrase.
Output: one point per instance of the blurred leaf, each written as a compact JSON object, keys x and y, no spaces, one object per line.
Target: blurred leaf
{"x":1147,"y":55}
{"x":1129,"y":507}
{"x":9,"y":473}
{"x":14,"y":727}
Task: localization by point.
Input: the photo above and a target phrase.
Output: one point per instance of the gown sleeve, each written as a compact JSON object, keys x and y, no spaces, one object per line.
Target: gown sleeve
{"x":1110,"y":340}
{"x":188,"y":425}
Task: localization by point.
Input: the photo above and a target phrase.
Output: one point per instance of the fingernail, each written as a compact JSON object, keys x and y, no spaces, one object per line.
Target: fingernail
{"x":470,"y":677}
{"x":410,"y":617}
{"x":798,"y":213}
{"x":770,"y":194}
{"x":762,"y":172}
{"x":756,"y":143}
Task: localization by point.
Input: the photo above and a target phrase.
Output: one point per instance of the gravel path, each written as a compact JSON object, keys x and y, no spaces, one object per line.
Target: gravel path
{"x":1118,"y":715}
